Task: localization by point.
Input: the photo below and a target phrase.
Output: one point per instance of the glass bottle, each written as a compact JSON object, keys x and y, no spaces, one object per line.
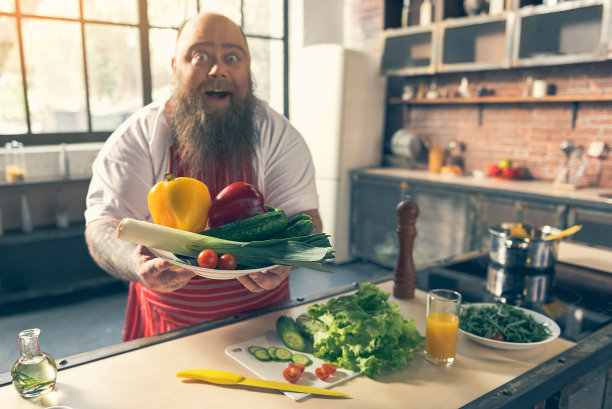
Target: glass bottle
{"x":35,"y":372}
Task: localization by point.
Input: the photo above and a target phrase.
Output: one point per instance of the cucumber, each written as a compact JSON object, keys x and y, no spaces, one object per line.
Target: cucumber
{"x":289,"y":334}
{"x":262,"y":355}
{"x":272,"y":352}
{"x":252,"y":228}
{"x":253,"y":348}
{"x":283,"y":354}
{"x":301,"y":359}
{"x":299,"y":224}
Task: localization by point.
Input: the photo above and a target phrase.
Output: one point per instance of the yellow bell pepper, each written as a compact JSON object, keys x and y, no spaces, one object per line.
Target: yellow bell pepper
{"x":181,"y":203}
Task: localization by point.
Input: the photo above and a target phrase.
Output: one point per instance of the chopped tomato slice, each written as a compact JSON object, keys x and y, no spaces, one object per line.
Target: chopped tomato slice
{"x":301,"y":367}
{"x":292,"y":374}
{"x":322,"y":373}
{"x":331,"y":368}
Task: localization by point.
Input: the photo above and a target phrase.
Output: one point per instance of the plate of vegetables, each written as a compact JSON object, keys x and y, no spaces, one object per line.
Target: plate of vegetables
{"x":213,"y":273}
{"x":504,"y":326}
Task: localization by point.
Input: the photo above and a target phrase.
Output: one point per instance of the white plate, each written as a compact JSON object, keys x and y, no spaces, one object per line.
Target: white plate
{"x":539,"y":318}
{"x":213,"y":273}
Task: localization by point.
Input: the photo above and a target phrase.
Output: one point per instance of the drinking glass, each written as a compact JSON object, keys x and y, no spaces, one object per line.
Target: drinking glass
{"x":442,"y":326}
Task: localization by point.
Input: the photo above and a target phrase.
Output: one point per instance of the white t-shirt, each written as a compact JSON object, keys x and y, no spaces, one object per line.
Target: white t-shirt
{"x":136,"y":155}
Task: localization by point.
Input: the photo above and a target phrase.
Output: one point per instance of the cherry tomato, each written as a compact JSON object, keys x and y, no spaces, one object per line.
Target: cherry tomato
{"x":301,"y":367}
{"x":322,"y":373}
{"x":292,"y":374}
{"x":227,"y":262}
{"x":331,"y":368}
{"x":498,"y":336}
{"x":207,"y":259}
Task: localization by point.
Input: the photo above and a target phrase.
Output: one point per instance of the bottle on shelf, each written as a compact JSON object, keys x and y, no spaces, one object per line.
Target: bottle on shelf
{"x":425,"y":13}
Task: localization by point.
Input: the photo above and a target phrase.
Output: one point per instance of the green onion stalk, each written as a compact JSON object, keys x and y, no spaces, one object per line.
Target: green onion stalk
{"x":310,"y":251}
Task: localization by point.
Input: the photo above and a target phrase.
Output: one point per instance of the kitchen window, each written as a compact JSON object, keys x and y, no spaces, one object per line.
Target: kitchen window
{"x":73,"y":70}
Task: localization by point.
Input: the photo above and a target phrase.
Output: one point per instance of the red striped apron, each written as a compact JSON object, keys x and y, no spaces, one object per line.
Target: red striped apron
{"x":151,"y":312}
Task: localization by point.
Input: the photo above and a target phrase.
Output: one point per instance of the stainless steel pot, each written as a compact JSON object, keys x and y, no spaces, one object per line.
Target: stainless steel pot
{"x":528,"y":249}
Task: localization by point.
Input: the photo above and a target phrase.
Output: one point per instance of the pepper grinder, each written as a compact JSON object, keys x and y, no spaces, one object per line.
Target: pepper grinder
{"x":404,"y":277}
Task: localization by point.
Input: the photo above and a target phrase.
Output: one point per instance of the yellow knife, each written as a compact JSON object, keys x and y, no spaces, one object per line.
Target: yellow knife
{"x":229,"y":378}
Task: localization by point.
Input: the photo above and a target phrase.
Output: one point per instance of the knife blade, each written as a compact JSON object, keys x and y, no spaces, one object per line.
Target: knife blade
{"x":229,"y":378}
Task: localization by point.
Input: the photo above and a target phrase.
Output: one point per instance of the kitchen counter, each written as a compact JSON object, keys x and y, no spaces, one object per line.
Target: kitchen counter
{"x":530,"y":188}
{"x":145,"y":377}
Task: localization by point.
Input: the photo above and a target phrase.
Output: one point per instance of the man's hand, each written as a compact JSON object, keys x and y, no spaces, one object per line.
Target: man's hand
{"x":266,"y":279}
{"x":158,"y":274}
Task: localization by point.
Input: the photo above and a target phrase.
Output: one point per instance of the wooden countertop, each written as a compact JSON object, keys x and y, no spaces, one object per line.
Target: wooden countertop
{"x":145,"y":378}
{"x":529,"y":187}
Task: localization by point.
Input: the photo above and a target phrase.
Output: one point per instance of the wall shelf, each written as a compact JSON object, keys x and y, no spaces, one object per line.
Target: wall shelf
{"x":575,"y":100}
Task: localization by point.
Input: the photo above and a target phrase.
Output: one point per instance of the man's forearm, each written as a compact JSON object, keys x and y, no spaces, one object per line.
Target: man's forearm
{"x":114,"y":256}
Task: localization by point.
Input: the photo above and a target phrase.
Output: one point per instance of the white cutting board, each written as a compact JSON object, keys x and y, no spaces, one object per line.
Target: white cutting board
{"x":273,"y":370}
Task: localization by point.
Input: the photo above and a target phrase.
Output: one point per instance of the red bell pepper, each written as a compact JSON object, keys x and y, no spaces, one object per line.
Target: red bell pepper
{"x":235,"y":202}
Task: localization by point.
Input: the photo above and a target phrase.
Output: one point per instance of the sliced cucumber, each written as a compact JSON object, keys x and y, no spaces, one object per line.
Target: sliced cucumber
{"x":262,"y":355}
{"x":283,"y":354}
{"x":301,"y":359}
{"x":272,"y":352}
{"x":253,"y":348}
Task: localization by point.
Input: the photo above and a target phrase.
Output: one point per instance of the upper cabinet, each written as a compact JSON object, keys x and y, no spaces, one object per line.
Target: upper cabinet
{"x":516,"y":34}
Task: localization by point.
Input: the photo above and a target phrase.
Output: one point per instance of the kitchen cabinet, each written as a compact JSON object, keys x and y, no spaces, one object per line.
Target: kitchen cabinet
{"x":455,"y":217}
{"x":522,"y":35}
{"x":445,"y":216}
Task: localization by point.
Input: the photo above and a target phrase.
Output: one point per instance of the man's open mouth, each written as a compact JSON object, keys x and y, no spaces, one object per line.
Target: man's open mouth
{"x":217,"y":95}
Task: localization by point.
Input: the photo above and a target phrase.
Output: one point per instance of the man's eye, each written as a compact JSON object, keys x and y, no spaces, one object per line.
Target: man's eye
{"x":199,"y":59}
{"x":232,"y":59}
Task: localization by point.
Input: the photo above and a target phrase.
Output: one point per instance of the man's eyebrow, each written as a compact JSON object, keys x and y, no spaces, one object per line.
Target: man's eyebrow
{"x":224,"y":45}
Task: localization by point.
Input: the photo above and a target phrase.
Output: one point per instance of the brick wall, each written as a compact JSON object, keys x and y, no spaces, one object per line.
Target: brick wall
{"x":528,"y":133}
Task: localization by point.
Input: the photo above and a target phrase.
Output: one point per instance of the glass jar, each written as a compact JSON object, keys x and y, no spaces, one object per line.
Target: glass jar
{"x":35,"y":372}
{"x":15,"y":168}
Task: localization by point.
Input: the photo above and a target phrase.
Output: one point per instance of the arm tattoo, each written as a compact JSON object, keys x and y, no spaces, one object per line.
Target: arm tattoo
{"x":113,"y":255}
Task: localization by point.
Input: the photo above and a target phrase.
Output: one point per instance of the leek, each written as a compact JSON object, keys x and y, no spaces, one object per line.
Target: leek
{"x":306,"y":251}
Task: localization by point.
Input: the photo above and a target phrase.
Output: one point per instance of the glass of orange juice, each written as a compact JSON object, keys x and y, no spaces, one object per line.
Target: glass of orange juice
{"x":442,"y":326}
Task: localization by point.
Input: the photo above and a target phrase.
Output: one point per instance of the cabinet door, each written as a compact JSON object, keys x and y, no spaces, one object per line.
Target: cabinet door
{"x":596,"y":226}
{"x":443,"y":225}
{"x":374,"y":219}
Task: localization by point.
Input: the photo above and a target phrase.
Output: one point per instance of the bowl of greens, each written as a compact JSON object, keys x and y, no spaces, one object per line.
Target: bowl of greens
{"x":504,"y":326}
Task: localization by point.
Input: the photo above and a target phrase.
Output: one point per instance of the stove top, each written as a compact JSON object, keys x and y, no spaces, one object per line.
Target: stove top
{"x":580,"y":301}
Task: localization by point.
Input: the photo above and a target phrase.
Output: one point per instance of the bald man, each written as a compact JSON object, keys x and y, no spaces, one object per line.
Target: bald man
{"x":214,"y":129}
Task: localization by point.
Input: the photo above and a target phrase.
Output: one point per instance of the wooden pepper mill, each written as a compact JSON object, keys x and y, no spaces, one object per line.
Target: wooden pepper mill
{"x":404,"y":277}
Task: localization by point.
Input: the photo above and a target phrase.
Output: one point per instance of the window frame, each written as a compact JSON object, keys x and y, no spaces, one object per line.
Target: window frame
{"x":32,"y":139}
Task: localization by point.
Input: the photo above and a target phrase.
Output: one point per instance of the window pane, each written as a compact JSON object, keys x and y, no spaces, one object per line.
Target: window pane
{"x":264,"y":17}
{"x":7,"y":5}
{"x":116,"y":11}
{"x":54,"y":69}
{"x":12,"y":105}
{"x":268,"y":70}
{"x":55,"y":8}
{"x":169,"y":13}
{"x":114,"y":72}
{"x":162,"y":42}
{"x":229,"y":8}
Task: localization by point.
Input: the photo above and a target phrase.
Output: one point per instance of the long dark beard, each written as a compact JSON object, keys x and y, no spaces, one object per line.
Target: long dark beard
{"x":209,"y":141}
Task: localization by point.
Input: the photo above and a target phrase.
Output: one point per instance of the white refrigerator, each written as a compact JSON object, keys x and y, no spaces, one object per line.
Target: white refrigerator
{"x":337,"y":104}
